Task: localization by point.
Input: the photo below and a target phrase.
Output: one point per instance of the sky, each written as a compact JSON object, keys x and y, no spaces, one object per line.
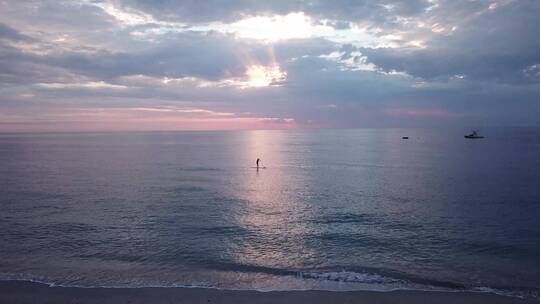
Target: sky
{"x":97,"y":65}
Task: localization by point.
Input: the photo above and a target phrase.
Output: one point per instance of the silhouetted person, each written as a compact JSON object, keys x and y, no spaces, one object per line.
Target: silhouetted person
{"x":257,"y":162}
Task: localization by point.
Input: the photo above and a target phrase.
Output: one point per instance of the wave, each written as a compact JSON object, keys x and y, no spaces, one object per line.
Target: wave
{"x":288,"y":280}
{"x":349,"y":276}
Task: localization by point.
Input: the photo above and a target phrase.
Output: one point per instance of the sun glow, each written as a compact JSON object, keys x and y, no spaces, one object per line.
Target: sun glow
{"x":263,"y":76}
{"x":278,"y":27}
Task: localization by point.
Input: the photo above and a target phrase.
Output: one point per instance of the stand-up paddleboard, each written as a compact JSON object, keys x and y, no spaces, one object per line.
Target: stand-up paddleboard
{"x":258,"y":167}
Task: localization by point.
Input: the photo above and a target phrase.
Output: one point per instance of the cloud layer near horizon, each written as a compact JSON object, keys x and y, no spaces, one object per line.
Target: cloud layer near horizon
{"x":167,"y":65}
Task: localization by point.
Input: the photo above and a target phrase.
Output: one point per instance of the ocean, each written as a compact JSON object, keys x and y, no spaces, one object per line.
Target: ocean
{"x":358,"y":209}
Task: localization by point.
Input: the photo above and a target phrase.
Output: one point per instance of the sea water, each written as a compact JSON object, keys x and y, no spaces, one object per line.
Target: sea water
{"x":333,"y":209}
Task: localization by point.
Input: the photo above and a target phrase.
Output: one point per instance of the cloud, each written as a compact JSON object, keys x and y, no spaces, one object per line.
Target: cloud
{"x":6,"y":32}
{"x":345,"y":63}
{"x":214,"y":10}
{"x":430,"y":113}
{"x":485,"y":48}
{"x":140,"y":119}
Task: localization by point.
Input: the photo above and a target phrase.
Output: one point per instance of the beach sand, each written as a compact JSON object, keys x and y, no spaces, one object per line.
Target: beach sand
{"x":27,"y":292}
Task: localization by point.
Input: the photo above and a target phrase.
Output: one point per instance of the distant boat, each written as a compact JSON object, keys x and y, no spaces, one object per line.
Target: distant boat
{"x":405,"y":137}
{"x":474,"y":134}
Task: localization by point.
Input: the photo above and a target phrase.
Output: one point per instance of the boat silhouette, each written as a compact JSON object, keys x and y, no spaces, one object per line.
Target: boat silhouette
{"x":474,"y":134}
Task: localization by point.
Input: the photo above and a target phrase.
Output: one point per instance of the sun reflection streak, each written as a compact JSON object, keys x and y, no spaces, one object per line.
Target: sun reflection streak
{"x":275,"y":210}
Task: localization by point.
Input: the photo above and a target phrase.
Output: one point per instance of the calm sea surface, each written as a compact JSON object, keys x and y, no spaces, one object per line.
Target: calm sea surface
{"x":334,"y":209}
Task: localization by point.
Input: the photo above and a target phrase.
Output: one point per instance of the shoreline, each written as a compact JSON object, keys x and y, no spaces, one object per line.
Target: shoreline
{"x":32,"y":292}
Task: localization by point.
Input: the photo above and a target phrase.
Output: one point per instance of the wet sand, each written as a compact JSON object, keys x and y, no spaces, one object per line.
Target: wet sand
{"x":27,"y":292}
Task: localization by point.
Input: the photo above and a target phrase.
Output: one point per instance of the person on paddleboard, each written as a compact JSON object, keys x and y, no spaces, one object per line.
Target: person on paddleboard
{"x":257,"y":162}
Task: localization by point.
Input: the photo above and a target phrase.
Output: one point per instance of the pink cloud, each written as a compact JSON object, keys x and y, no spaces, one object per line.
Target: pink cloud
{"x":143,"y":118}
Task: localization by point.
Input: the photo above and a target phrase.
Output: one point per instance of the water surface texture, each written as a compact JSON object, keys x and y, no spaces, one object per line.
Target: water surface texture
{"x":334,"y":209}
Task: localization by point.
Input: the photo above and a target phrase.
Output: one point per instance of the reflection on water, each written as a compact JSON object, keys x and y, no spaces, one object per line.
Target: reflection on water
{"x":353,"y":207}
{"x":273,"y":209}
